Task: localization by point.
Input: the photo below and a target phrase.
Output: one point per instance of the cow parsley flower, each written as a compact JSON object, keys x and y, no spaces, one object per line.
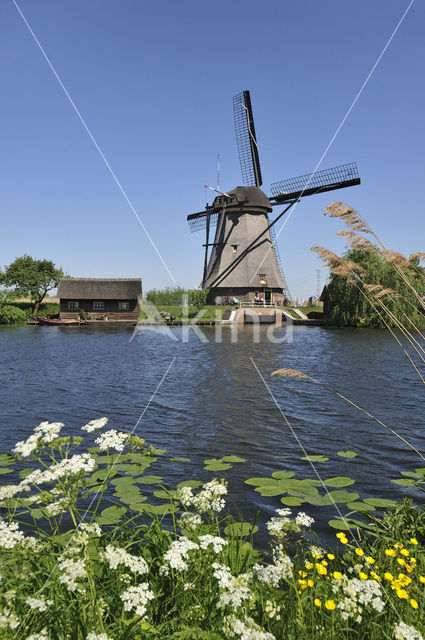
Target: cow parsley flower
{"x":176,"y":556}
{"x":303,"y":520}
{"x":137,"y":598}
{"x":71,"y":570}
{"x":208,"y":499}
{"x":112,"y":439}
{"x":40,"y":604}
{"x":235,"y":590}
{"x":8,"y":620}
{"x":116,"y":556}
{"x":402,"y":631}
{"x":189,"y":521}
{"x":273,"y":573}
{"x":94,"y":425}
{"x":45,"y":432}
{"x":98,"y":636}
{"x":216,"y":542}
{"x":245,"y":630}
{"x":10,"y":535}
{"x":38,"y":636}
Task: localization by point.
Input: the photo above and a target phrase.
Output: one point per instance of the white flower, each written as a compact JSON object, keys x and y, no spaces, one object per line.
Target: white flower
{"x":273,"y":573}
{"x":93,"y":425}
{"x":10,"y":534}
{"x":245,"y":630}
{"x":91,"y":527}
{"x":402,"y":631}
{"x":137,"y":598}
{"x":55,"y":508}
{"x":47,"y":432}
{"x":189,"y":521}
{"x":98,"y":636}
{"x":8,"y":619}
{"x":217,"y":542}
{"x":72,"y":570}
{"x":175,"y":557}
{"x":208,"y":499}
{"x":303,"y":520}
{"x":38,"y":636}
{"x":39,"y":603}
{"x":112,"y":439}
{"x":234,"y":589}
{"x":116,"y":556}
{"x":283,"y":513}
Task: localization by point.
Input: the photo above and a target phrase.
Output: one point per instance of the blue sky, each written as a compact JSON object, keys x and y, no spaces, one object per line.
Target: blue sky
{"x":154,"y":82}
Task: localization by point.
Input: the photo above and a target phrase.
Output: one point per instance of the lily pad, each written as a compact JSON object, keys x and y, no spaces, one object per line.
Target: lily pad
{"x":380,"y":502}
{"x":166,"y":494}
{"x":347,"y":454}
{"x":3,"y":471}
{"x":233,"y":459}
{"x":338,"y":497}
{"x":315,"y":458}
{"x":339,"y":524}
{"x":217,"y":466}
{"x":112,"y":515}
{"x":194,"y":484}
{"x":6,"y":459}
{"x":150,"y":480}
{"x":260,"y":482}
{"x":270,"y":490}
{"x":338,"y":481}
{"x":360,"y":506}
{"x":160,"y":509}
{"x":290,"y":501}
{"x":404,"y":482}
{"x":180,"y":460}
{"x":240,"y":529}
{"x":280,"y":475}
{"x":420,"y":471}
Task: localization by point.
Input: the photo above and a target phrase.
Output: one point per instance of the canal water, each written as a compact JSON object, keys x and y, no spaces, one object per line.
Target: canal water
{"x":218,"y":398}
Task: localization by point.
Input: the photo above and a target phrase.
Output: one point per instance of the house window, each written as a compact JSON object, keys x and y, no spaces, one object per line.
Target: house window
{"x":123,"y":306}
{"x":263,"y":278}
{"x":98,"y":305}
{"x":72,"y":305}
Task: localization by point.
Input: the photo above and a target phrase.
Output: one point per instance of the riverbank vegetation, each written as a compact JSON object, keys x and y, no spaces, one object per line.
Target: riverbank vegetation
{"x":96,"y":547}
{"x":371,"y":285}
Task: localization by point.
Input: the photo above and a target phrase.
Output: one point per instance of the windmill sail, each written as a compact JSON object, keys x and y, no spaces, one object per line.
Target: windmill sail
{"x":345,"y":175}
{"x":246,"y":140}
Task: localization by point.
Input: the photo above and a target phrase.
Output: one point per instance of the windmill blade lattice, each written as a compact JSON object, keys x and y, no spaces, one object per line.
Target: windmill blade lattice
{"x":345,"y":175}
{"x":246,"y":140}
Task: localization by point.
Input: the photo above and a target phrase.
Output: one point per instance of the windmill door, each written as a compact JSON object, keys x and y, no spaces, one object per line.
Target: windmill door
{"x":268,"y":298}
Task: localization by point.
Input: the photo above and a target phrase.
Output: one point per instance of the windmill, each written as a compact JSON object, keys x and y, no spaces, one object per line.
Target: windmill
{"x":243,"y":260}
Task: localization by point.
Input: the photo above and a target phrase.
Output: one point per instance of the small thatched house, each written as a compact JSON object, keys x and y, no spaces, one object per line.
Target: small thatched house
{"x":111,"y":298}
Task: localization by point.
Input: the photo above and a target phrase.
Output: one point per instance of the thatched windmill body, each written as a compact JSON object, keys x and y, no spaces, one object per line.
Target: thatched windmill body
{"x":243,"y":260}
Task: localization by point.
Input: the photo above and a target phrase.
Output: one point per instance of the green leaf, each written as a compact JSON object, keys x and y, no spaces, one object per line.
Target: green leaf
{"x":150,"y":479}
{"x":3,"y":471}
{"x":270,"y":490}
{"x":339,"y":524}
{"x":180,"y":460}
{"x":194,"y":484}
{"x":24,"y":472}
{"x":360,"y":506}
{"x":337,"y":497}
{"x":233,"y":459}
{"x":420,"y":471}
{"x":103,"y":474}
{"x":240,"y":529}
{"x":280,"y":475}
{"x":380,"y":502}
{"x":112,"y":515}
{"x":260,"y":482}
{"x":338,"y":481}
{"x":347,"y":454}
{"x":410,"y":474}
{"x":292,"y":502}
{"x":315,"y":458}
{"x":217,"y":466}
{"x":404,"y":482}
{"x":165,"y":494}
{"x":161,"y":509}
{"x":5,"y":458}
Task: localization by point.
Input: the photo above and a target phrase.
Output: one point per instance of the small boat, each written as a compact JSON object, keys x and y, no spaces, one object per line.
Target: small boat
{"x":52,"y":322}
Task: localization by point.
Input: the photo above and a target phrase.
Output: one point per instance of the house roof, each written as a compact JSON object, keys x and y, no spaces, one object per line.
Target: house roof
{"x":100,"y":288}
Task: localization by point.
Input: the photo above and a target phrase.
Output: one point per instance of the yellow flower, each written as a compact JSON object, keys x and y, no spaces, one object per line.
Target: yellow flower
{"x":413,"y":603}
{"x":310,"y":583}
{"x":303,"y":584}
{"x":403,"y":579}
{"x":388,"y":576}
{"x":422,"y":579}
{"x":325,"y":564}
{"x":398,"y":545}
{"x":390,"y":552}
{"x":375,"y":576}
{"x":317,"y":602}
{"x":316,"y":556}
{"x":359,"y":552}
{"x":309,"y":565}
{"x":408,"y":568}
{"x":342,"y":537}
{"x":330,"y":604}
{"x":337,"y":575}
{"x":404,"y":552}
{"x":413,"y":561}
{"x":321,"y":570}
{"x":302,"y":573}
{"x":401,"y":561}
{"x":402,"y":593}
{"x":362,"y":576}
{"x":370,"y":560}
{"x":331,"y":556}
{"x":414,"y":541}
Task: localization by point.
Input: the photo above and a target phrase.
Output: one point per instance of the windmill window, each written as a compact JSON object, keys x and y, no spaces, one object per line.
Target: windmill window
{"x":234,"y":248}
{"x":72,"y":305}
{"x":98,"y":305}
{"x":123,"y":306}
{"x":263,"y":278}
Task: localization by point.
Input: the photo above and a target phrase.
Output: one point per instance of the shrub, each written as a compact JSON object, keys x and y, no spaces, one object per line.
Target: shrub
{"x":9,"y":314}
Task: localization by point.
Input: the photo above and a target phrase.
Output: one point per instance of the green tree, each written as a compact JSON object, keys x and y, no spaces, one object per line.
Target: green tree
{"x":33,"y":278}
{"x":375,"y":291}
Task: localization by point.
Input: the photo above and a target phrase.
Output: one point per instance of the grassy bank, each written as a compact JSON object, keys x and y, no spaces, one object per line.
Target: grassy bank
{"x":208,"y":313}
{"x":97,"y":547}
